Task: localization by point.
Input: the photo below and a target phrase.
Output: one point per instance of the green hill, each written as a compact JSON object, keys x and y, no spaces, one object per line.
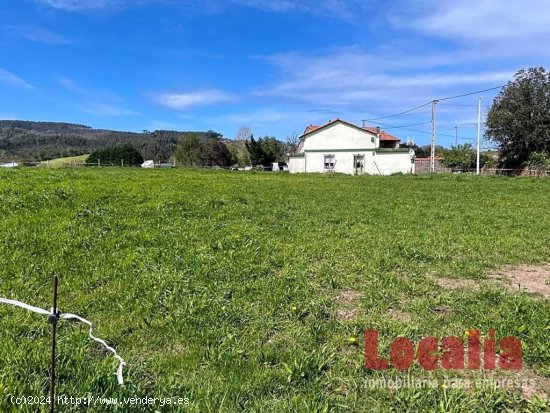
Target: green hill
{"x":38,"y":141}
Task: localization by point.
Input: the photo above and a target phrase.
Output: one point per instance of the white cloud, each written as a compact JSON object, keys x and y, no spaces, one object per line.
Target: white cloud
{"x":514,"y":25}
{"x":39,"y":35}
{"x":183,"y":101}
{"x":356,"y":79}
{"x":72,"y":85}
{"x":80,"y":5}
{"x":101,"y":103}
{"x":342,"y":9}
{"x":11,"y":79}
{"x":106,"y":109}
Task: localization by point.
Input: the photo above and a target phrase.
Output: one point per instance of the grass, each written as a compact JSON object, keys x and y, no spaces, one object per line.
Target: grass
{"x":226,"y":287}
{"x":62,"y":162}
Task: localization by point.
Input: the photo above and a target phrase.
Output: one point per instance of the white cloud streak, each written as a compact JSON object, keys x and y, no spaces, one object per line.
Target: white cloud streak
{"x":11,"y":79}
{"x":517,"y":27}
{"x":81,"y":5}
{"x":357,"y":79}
{"x":184,"y":101}
{"x":106,"y":109}
{"x":37,"y":34}
{"x":97,"y":103}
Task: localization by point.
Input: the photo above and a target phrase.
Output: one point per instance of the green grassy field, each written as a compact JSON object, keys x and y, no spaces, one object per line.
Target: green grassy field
{"x":244,"y":291}
{"x":63,"y":162}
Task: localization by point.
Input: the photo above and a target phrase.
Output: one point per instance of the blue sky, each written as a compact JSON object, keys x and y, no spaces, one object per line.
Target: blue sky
{"x":274,"y":65}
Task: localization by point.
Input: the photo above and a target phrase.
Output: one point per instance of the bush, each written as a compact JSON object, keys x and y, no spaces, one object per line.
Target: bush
{"x":115,"y":155}
{"x":539,"y":160}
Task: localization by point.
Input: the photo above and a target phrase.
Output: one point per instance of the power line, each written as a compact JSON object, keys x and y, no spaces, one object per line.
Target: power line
{"x":387,"y":126}
{"x":406,"y":127}
{"x":453,"y":104}
{"x":471,"y":93}
{"x":401,"y":113}
{"x":438,"y":100}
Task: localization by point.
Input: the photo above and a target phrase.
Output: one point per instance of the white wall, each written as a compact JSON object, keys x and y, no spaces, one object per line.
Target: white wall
{"x":296,"y":165}
{"x":340,"y":136}
{"x":375,"y":163}
{"x":393,"y":162}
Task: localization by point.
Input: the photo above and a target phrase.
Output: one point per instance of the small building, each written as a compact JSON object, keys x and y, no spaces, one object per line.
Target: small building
{"x":340,"y":146}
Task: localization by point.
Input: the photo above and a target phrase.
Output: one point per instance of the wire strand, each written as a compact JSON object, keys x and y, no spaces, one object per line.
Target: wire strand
{"x":435,"y":100}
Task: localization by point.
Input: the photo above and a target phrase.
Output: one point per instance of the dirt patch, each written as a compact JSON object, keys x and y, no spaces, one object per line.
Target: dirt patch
{"x":459,"y":284}
{"x":530,"y":278}
{"x":538,"y":386}
{"x":346,"y":300}
{"x":348,"y":296}
{"x":346,"y":314}
{"x":399,"y":315}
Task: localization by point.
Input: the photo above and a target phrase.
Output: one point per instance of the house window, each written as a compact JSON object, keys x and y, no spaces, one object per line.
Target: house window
{"x":329,"y":162}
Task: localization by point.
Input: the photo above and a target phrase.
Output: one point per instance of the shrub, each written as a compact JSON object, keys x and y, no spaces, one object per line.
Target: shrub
{"x":539,"y":160}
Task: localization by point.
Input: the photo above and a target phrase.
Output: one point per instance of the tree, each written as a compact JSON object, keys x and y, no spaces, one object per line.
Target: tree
{"x":292,"y":144}
{"x":115,"y":155}
{"x":188,"y":151}
{"x":463,"y":157}
{"x":196,"y":150}
{"x":215,"y":153}
{"x":519,"y":118}
{"x":273,"y":149}
{"x":265,"y":150}
{"x":426,"y":150}
{"x":244,"y":133}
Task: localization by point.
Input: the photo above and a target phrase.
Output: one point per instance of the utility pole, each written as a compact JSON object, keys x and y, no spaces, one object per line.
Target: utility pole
{"x":364,"y":123}
{"x":478,"y":133}
{"x":432,"y":154}
{"x":456,"y":136}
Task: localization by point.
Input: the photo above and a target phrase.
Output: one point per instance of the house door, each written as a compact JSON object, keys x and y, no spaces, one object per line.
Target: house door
{"x":358,"y":164}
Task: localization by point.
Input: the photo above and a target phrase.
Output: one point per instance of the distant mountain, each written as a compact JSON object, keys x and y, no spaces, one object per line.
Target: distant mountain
{"x":36,"y":141}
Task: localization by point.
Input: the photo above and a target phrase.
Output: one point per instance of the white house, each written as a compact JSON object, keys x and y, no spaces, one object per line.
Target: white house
{"x":343,"y":147}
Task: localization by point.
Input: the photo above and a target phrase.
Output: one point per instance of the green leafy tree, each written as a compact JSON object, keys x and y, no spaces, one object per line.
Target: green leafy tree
{"x":519,"y":118}
{"x":265,"y":151}
{"x":189,"y":151}
{"x":463,"y":157}
{"x":115,"y":155}
{"x":199,"y":150}
{"x":460,"y":157}
{"x":426,"y":150}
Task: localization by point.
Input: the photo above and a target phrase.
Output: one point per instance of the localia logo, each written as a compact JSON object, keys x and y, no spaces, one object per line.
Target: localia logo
{"x":453,"y":354}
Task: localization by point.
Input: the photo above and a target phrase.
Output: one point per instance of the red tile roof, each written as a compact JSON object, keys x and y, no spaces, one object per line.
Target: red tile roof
{"x":311,"y":128}
{"x":384,"y":136}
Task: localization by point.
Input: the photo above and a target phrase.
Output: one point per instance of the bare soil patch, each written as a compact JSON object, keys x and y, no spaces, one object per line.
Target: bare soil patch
{"x":346,"y":309}
{"x":399,"y":315}
{"x":348,"y":296}
{"x":459,"y":283}
{"x":531,"y":278}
